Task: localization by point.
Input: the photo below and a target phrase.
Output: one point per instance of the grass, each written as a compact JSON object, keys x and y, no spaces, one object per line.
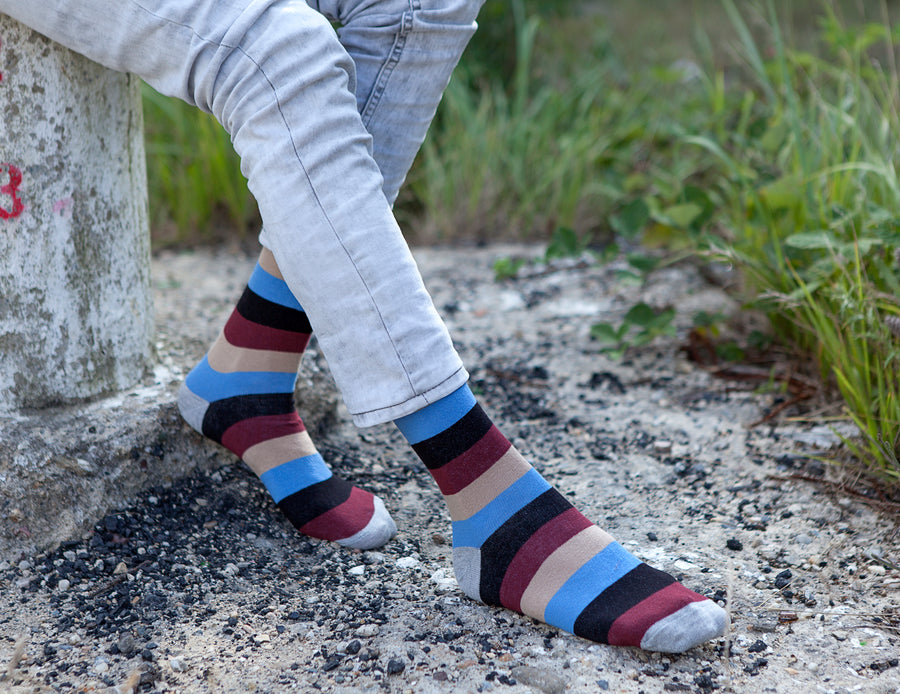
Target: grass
{"x":764,"y":136}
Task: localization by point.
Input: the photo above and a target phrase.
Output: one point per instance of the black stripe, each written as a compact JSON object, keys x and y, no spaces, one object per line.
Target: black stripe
{"x":640,"y":583}
{"x":500,"y":548}
{"x":255,"y":308}
{"x":454,"y":441}
{"x":311,"y":502}
{"x":222,"y":414}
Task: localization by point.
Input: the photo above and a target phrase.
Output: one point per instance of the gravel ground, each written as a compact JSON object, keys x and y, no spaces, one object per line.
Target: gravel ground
{"x":201,"y":586}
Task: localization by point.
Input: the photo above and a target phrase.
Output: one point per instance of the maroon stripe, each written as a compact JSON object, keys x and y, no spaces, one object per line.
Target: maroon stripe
{"x":345,"y":520}
{"x":630,"y":627}
{"x":241,"y":332}
{"x":460,"y":472}
{"x":253,"y":430}
{"x":550,"y":537}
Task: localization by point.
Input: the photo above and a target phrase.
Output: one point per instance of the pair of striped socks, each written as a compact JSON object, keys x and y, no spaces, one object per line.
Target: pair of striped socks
{"x":517,"y":542}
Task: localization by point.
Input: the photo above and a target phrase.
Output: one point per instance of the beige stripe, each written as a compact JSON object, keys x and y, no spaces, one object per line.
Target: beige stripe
{"x":225,"y":358}
{"x":267,"y":262}
{"x":269,"y":454}
{"x":559,"y":567}
{"x":469,"y":501}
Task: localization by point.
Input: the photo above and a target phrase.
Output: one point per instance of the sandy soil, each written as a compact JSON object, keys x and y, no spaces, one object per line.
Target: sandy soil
{"x":203,"y":587}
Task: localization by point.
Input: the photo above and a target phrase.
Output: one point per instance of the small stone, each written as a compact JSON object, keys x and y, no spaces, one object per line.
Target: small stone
{"x":653,"y":537}
{"x":353,"y":647}
{"x":840,"y":635}
{"x":178,"y":664}
{"x":64,"y":584}
{"x":662,"y":447}
{"x":539,"y":678}
{"x":783,"y":579}
{"x":440,"y":676}
{"x":438,"y":539}
{"x":16,"y":515}
{"x":395,"y":667}
{"x":358,"y":570}
{"x":125,"y":642}
{"x":101,"y":665}
{"x":366,"y":631}
{"x":734,"y":545}
{"x":603,"y":685}
{"x":70,"y":556}
{"x":757,"y":646}
{"x":120,"y":569}
{"x":407,"y":562}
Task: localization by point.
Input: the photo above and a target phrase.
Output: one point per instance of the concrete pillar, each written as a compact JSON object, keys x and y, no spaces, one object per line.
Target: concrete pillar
{"x":75,"y":304}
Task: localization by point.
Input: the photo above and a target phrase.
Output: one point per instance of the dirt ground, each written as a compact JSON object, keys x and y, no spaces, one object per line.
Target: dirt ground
{"x":201,"y":586}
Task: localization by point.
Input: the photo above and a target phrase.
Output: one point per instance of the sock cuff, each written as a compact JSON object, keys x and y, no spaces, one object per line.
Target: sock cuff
{"x":432,"y":419}
{"x":272,"y":288}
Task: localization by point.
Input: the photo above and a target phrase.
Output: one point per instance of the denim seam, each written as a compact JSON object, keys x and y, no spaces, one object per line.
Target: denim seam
{"x":384,"y":75}
{"x":315,"y":193}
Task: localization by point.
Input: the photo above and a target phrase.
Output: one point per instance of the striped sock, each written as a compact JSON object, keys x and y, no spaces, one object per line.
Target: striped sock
{"x":242,"y":396}
{"x":519,"y":544}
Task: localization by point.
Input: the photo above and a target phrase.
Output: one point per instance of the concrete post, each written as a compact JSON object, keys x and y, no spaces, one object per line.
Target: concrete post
{"x":75,"y":304}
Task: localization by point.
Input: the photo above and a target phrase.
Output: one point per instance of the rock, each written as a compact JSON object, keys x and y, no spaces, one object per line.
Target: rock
{"x":358,"y":570}
{"x":539,"y":678}
{"x":734,"y":545}
{"x":120,"y":569}
{"x":101,"y":665}
{"x":395,"y":667}
{"x":407,"y":562}
{"x":366,"y":631}
{"x":178,"y":664}
{"x":125,"y":642}
{"x":64,"y":584}
{"x":783,"y":579}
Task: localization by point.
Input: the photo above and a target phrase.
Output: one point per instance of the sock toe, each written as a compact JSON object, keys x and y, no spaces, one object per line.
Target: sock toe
{"x":378,"y":531}
{"x":690,"y":626}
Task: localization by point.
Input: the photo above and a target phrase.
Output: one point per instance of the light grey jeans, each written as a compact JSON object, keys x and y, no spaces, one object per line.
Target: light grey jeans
{"x":326,"y":129}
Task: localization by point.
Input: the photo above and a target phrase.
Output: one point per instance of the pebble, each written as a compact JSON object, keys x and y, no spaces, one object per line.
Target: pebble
{"x":366,"y":631}
{"x":125,"y":642}
{"x":734,"y":545}
{"x":407,"y":562}
{"x":358,"y":570}
{"x":539,"y":678}
{"x":100,"y":665}
{"x":178,"y":664}
{"x":395,"y":667}
{"x":120,"y":569}
{"x":64,"y":584}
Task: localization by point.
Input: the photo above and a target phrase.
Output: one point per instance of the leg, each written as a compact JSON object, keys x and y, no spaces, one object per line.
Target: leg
{"x":242,"y":396}
{"x":519,"y":544}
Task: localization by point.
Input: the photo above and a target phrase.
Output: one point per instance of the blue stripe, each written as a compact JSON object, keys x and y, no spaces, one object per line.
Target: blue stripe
{"x":211,"y":385}
{"x":595,"y":576}
{"x":270,"y":287}
{"x":295,"y":475}
{"x":432,"y":419}
{"x":473,"y":531}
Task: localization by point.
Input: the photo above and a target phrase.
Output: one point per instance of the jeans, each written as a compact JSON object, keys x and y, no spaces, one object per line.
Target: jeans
{"x":326,"y":127}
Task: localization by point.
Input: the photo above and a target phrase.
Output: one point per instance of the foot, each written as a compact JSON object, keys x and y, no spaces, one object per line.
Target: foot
{"x":519,"y":544}
{"x":241,"y":396}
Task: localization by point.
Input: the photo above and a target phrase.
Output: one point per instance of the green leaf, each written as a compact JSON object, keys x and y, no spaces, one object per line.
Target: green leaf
{"x":630,"y":220}
{"x":680,"y":216}
{"x":642,"y":263}
{"x":640,"y":315}
{"x":784,"y":193}
{"x":605,"y":332}
{"x":811,"y":240}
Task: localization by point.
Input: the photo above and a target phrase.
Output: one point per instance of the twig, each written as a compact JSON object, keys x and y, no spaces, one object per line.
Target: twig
{"x":117,"y":580}
{"x":15,"y":658}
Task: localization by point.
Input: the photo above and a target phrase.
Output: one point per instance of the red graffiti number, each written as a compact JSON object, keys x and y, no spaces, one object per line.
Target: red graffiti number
{"x":11,"y":190}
